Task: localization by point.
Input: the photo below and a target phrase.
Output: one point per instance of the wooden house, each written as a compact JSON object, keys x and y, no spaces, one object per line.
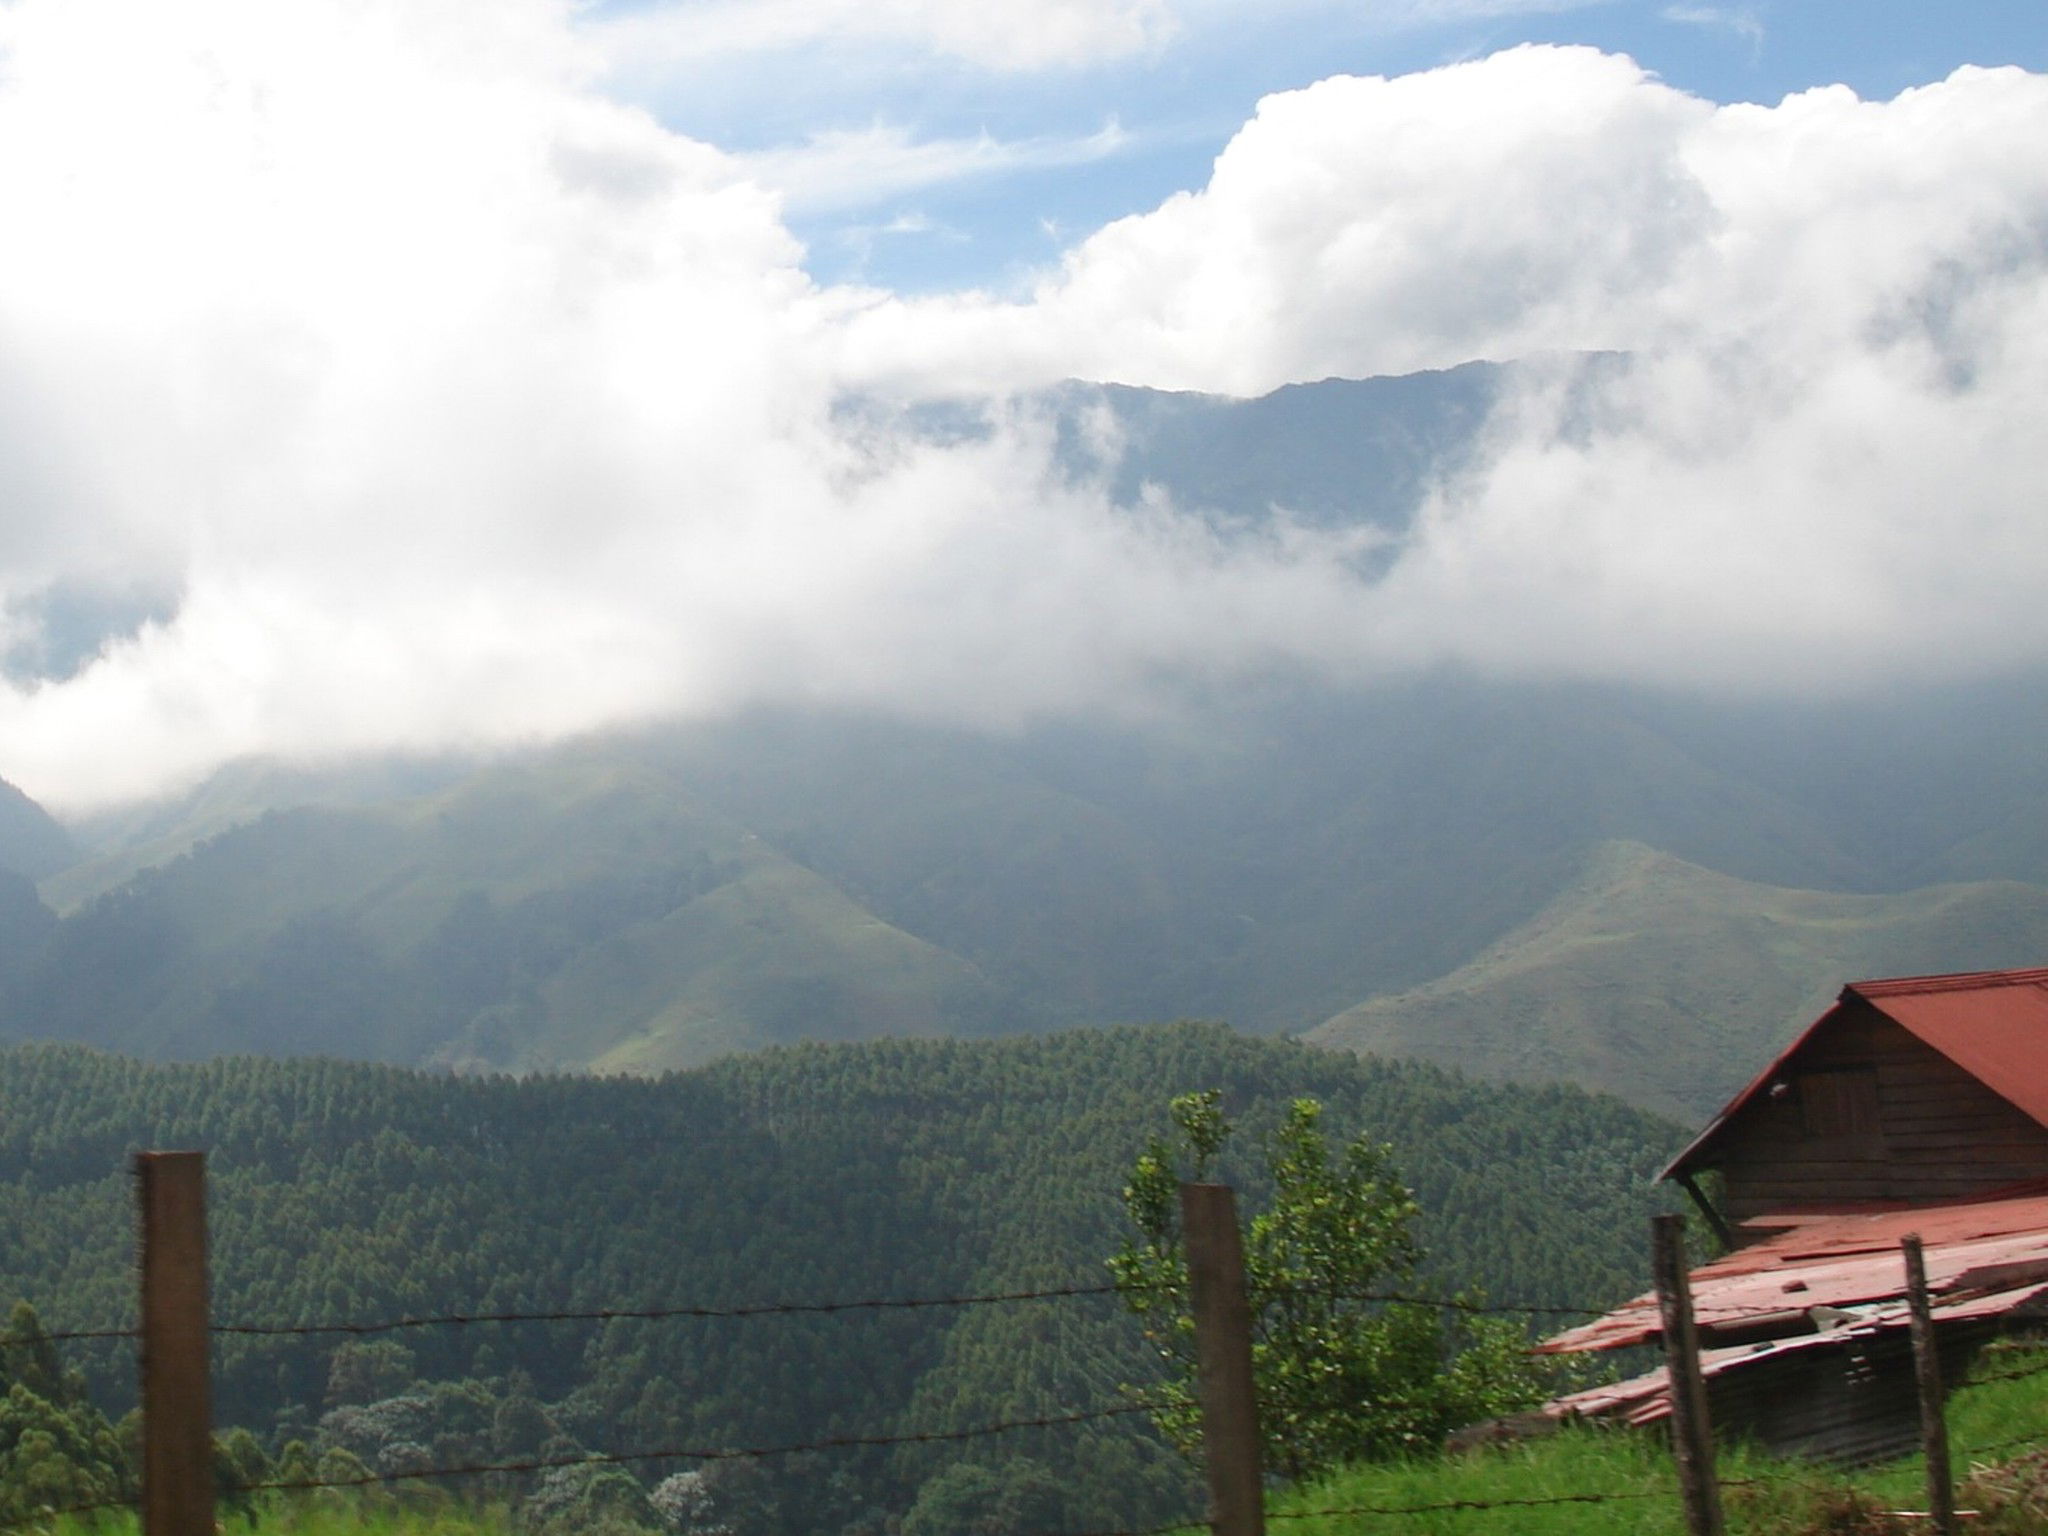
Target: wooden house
{"x":1917,"y":1105}
{"x":1920,"y":1089}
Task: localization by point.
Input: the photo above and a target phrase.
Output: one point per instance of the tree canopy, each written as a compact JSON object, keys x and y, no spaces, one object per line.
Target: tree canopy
{"x":1349,"y":1365}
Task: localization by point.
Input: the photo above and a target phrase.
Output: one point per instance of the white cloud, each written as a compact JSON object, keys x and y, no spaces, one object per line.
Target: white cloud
{"x":1529,"y":201}
{"x":1740,"y":20}
{"x":461,"y":406}
{"x":1822,"y":463}
{"x":844,"y":168}
{"x":1002,"y":35}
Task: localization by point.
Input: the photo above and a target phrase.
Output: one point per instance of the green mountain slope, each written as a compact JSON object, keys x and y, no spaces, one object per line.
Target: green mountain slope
{"x":773,"y":956}
{"x":1670,"y":984}
{"x":1265,"y":860}
{"x":571,"y":910}
{"x":645,"y":901}
{"x":32,"y":843}
{"x":121,"y":843}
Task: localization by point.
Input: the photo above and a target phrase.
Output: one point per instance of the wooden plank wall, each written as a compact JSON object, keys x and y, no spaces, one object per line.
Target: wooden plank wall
{"x":1939,"y":1132}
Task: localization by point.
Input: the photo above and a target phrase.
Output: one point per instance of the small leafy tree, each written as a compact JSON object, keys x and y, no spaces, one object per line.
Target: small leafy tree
{"x":56,"y":1449}
{"x":1016,"y":1497}
{"x":1341,"y":1376}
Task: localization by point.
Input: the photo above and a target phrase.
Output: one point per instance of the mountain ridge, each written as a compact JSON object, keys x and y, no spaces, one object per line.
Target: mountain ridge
{"x":1670,"y":984}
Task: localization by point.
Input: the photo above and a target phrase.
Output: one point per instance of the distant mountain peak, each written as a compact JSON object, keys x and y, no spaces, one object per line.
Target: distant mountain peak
{"x":32,"y":842}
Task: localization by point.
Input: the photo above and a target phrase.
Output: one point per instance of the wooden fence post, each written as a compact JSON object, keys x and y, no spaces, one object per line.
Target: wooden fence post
{"x":1692,"y":1439}
{"x":1223,"y":1356}
{"x":1941,"y":1488}
{"x":177,"y":1415}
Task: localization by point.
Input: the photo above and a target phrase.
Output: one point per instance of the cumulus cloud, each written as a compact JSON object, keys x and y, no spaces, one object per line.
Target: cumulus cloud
{"x":1818,"y":463}
{"x":1539,"y":199}
{"x":458,"y":406}
{"x":402,"y":390}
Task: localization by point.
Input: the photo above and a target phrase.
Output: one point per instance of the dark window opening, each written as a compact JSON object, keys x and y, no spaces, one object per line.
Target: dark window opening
{"x":1841,"y":1102}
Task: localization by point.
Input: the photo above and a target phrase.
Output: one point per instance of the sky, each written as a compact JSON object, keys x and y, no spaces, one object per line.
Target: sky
{"x":426,"y":375}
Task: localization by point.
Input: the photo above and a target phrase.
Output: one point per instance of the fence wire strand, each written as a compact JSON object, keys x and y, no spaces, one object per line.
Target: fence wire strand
{"x":817,"y":1308}
{"x":1447,"y":1506}
{"x":616,"y":1314}
{"x":65,"y":1336}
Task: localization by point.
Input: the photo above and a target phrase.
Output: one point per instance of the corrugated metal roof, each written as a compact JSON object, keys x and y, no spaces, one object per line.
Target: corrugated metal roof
{"x":1847,"y":1396}
{"x":1984,"y":1256}
{"x":1803,"y":1333}
{"x":1992,"y":1024}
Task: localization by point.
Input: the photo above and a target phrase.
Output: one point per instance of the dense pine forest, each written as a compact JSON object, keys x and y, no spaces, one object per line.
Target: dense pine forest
{"x":349,"y":1193}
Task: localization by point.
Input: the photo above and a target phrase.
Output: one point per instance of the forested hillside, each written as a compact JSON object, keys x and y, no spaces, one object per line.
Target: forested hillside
{"x":351,"y":1193}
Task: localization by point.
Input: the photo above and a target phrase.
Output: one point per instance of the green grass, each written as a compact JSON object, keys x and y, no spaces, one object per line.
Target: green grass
{"x":1635,"y":1491}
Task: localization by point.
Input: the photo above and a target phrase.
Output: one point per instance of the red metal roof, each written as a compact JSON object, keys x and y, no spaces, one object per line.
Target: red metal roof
{"x":1827,"y":1280}
{"x":1977,"y":1251}
{"x":1992,"y":1024}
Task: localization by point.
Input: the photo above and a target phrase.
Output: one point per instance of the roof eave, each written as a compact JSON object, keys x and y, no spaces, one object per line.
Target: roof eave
{"x":1689,"y":1161}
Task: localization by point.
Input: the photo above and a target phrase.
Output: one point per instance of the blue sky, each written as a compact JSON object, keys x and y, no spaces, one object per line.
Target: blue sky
{"x":1126,"y":129}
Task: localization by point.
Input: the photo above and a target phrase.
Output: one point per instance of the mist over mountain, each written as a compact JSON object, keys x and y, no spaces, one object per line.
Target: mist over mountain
{"x":654,"y":900}
{"x":1287,"y":852}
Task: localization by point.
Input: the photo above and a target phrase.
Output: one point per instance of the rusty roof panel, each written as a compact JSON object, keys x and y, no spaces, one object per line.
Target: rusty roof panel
{"x":1994,"y":1245}
{"x":1993,"y":1025}
{"x":1846,"y":1397}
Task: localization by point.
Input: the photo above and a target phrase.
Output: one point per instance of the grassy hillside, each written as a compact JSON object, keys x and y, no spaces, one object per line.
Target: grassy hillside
{"x":652,"y":900}
{"x":1670,"y":984}
{"x":572,"y":910}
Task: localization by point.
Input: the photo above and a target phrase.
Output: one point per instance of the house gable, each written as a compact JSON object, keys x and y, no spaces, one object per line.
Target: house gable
{"x":1864,"y":1110}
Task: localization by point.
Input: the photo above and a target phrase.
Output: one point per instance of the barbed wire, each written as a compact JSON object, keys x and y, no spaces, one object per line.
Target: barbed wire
{"x":65,"y":1336}
{"x":1447,"y":1506}
{"x":615,"y":1314}
{"x":2038,"y":1368}
{"x":1451,"y":1303}
{"x":827,"y":1308}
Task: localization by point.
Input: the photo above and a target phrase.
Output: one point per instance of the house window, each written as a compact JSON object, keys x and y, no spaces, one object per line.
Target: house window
{"x":1841,"y":1102}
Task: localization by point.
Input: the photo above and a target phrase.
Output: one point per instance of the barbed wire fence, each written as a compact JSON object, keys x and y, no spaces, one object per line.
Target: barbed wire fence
{"x":174,"y":1340}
